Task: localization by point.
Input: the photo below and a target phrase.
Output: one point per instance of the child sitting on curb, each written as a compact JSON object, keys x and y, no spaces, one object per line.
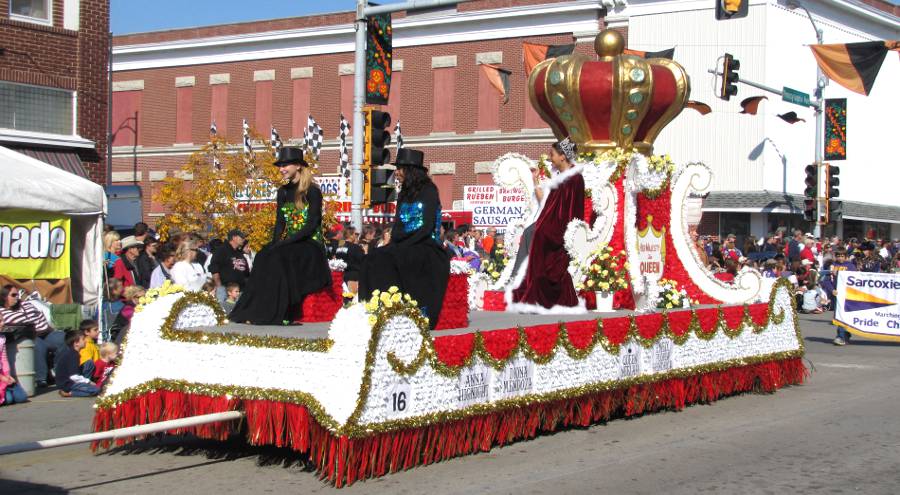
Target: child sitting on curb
{"x":69,"y":379}
{"x":10,"y":390}
{"x":86,"y":357}
{"x":105,"y":365}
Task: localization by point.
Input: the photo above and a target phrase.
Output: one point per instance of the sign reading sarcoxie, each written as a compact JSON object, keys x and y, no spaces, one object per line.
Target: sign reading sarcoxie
{"x":868,"y":304}
{"x":34,"y":244}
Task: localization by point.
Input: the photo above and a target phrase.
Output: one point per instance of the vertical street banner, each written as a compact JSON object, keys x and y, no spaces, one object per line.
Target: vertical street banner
{"x":868,"y":304}
{"x":34,"y":245}
{"x":378,"y":59}
{"x":835,"y":129}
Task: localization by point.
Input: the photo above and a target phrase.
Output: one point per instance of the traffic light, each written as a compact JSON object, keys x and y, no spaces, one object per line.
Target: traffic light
{"x":379,"y":182}
{"x":832,"y":181}
{"x":834,"y":209}
{"x":381,"y":186}
{"x":730,"y":77}
{"x":378,"y":137}
{"x":731,"y":9}
{"x":810,"y":193}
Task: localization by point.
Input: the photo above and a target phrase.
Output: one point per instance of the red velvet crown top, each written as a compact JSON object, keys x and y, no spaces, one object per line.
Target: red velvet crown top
{"x":617,"y":101}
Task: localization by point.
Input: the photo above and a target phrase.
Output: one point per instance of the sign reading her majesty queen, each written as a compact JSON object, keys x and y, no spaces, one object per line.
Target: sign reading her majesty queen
{"x":651,"y":247}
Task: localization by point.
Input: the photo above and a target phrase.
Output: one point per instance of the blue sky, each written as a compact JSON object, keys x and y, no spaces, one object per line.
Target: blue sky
{"x":135,"y":16}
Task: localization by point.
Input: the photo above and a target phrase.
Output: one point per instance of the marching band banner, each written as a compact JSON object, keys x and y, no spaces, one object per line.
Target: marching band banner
{"x":34,"y":244}
{"x":868,"y":304}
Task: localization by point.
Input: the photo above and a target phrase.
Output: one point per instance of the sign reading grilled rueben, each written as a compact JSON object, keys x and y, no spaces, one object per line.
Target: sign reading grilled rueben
{"x":494,"y":206}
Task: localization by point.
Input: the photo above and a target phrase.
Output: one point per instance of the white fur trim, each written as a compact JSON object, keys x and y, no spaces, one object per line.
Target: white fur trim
{"x":581,"y":308}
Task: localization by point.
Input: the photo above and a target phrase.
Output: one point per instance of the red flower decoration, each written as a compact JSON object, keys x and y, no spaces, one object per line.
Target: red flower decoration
{"x":500,"y":343}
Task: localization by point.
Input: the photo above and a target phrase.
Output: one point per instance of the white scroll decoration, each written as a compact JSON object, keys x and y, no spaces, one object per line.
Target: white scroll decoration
{"x":747,"y":285}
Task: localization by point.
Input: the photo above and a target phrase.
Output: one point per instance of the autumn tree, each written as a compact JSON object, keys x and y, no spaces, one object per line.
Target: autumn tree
{"x":221,"y":188}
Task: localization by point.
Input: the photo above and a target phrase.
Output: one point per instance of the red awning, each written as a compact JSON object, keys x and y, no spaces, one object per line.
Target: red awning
{"x":65,"y":160}
{"x":458,"y":217}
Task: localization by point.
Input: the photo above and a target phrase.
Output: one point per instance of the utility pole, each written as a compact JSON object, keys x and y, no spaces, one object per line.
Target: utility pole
{"x":817,"y":105}
{"x":821,"y":82}
{"x":359,"y":92}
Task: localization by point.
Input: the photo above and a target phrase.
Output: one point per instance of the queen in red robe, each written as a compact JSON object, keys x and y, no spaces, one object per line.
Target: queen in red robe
{"x":541,"y":280}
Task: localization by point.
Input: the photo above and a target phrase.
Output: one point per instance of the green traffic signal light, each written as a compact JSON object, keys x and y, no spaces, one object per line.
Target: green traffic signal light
{"x":380,"y":137}
{"x":811,"y":181}
{"x":831,"y":190}
{"x":730,"y":77}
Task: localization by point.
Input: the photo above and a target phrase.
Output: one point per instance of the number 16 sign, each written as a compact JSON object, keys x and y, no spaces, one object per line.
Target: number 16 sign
{"x":398,"y":400}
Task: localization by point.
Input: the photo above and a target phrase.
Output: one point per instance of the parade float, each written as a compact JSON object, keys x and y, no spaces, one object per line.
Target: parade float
{"x":370,"y":390}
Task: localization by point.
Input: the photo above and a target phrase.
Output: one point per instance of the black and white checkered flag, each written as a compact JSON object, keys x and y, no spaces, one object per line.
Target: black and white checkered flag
{"x":275,"y":141}
{"x":213,"y":130}
{"x":248,"y":148}
{"x":345,"y":159}
{"x":398,"y":135}
{"x":313,"y":137}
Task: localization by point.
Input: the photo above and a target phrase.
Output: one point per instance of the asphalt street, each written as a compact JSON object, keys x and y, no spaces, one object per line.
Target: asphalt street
{"x":838,"y":433}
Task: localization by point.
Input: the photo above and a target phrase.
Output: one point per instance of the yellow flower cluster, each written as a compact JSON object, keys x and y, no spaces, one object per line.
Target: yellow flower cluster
{"x":492,"y":268}
{"x":670,"y":296}
{"x":663,"y":163}
{"x":153,"y":294}
{"x":607,"y":271}
{"x":391,"y":298}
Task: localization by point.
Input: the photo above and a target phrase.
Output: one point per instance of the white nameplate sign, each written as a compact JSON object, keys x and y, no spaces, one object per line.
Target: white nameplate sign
{"x":474,"y":385}
{"x":630,"y":359}
{"x":515,"y":379}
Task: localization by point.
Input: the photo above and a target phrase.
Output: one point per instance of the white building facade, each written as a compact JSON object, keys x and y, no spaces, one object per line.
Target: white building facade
{"x":759,"y":161}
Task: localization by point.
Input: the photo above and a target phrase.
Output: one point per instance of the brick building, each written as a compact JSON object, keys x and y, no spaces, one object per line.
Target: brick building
{"x":53,"y":82}
{"x":175,"y":83}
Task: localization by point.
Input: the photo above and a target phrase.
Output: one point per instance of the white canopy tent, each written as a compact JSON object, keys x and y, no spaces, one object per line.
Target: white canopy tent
{"x":27,"y":183}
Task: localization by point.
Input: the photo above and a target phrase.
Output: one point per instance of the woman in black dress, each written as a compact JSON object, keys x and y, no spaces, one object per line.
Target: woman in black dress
{"x":414,"y":260}
{"x":293,"y":265}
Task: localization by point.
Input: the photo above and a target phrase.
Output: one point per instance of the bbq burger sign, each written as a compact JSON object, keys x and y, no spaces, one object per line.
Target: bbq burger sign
{"x":34,"y":244}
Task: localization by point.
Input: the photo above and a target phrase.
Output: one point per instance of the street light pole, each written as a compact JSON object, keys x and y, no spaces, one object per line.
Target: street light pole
{"x":359,"y":92}
{"x":821,"y":82}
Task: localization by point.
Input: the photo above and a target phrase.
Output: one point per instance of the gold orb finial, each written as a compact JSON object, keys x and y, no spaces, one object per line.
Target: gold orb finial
{"x":609,"y":43}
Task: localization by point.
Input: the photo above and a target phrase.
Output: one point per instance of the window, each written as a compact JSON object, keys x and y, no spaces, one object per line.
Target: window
{"x":444,"y":86}
{"x":36,"y":109}
{"x":30,"y":10}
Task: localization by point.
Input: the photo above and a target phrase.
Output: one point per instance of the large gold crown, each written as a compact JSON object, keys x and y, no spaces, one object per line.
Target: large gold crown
{"x":617,"y":101}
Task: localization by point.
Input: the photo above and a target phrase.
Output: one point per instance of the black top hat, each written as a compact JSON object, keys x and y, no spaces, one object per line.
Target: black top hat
{"x":289,"y":155}
{"x":407,"y":157}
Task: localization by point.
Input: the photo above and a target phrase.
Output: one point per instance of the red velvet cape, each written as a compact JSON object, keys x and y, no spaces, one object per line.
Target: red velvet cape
{"x":547,"y":281}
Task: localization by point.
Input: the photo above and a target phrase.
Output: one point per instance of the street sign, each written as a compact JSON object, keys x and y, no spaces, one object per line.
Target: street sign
{"x":796,"y":97}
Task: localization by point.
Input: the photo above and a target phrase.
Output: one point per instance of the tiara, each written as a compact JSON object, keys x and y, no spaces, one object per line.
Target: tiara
{"x":568,"y":149}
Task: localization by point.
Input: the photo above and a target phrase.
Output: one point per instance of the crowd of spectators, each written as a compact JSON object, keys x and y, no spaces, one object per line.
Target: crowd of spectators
{"x":141,"y":261}
{"x":811,"y":264}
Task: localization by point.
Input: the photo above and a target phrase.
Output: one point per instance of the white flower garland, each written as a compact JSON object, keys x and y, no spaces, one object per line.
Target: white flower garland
{"x":460,"y":267}
{"x":647,"y":176}
{"x":337,"y":265}
{"x":638,"y":282}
